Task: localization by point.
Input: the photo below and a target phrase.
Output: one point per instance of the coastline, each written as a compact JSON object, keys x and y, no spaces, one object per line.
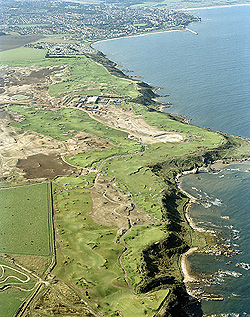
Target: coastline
{"x":173,"y":30}
{"x":189,"y":276}
{"x":136,"y":35}
{"x":183,"y":258}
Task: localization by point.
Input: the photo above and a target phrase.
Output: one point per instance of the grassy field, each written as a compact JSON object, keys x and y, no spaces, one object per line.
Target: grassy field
{"x":26,"y":220}
{"x":11,"y":300}
{"x":26,"y":237}
{"x":21,"y":55}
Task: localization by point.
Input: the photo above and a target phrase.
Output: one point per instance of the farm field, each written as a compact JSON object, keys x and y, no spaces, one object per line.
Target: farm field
{"x":21,"y":287}
{"x":26,"y":220}
{"x":21,"y":55}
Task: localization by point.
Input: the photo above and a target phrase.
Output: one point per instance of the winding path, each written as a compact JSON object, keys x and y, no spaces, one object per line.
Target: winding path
{"x":2,"y":266}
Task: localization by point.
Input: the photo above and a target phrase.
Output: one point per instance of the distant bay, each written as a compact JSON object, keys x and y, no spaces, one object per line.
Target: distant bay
{"x":207,"y":75}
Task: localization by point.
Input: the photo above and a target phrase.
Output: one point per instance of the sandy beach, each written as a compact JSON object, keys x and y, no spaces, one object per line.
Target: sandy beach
{"x":185,"y":266}
{"x":216,"y":7}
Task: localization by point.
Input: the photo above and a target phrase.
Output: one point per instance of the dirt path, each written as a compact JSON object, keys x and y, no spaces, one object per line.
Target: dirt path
{"x":121,"y":264}
{"x":2,"y":266}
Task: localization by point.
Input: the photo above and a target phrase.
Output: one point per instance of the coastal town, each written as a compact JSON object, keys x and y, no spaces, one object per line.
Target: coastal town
{"x":83,"y":22}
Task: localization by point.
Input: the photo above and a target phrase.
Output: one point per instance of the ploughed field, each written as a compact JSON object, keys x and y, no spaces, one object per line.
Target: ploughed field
{"x":44,"y":166}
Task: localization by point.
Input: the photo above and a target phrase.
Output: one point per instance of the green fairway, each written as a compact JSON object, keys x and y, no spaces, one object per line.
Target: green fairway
{"x":88,"y":253}
{"x":69,"y":183}
{"x":58,"y":125}
{"x":84,"y":73}
{"x":26,"y":220}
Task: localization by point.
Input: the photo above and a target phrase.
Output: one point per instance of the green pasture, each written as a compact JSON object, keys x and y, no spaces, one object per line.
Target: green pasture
{"x":25,"y":220}
{"x":11,"y":300}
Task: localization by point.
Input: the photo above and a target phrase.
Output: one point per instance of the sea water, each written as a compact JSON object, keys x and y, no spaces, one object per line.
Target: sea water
{"x":207,"y":77}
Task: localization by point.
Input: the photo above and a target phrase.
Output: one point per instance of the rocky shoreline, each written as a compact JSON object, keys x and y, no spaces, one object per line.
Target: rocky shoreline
{"x":192,"y":282}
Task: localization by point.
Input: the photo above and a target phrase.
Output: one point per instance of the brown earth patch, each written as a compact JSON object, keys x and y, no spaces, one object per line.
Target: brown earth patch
{"x":44,"y":166}
{"x":33,"y":82}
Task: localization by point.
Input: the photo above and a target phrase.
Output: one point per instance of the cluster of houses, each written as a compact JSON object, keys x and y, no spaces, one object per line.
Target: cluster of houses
{"x":62,"y":48}
{"x":87,"y":22}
